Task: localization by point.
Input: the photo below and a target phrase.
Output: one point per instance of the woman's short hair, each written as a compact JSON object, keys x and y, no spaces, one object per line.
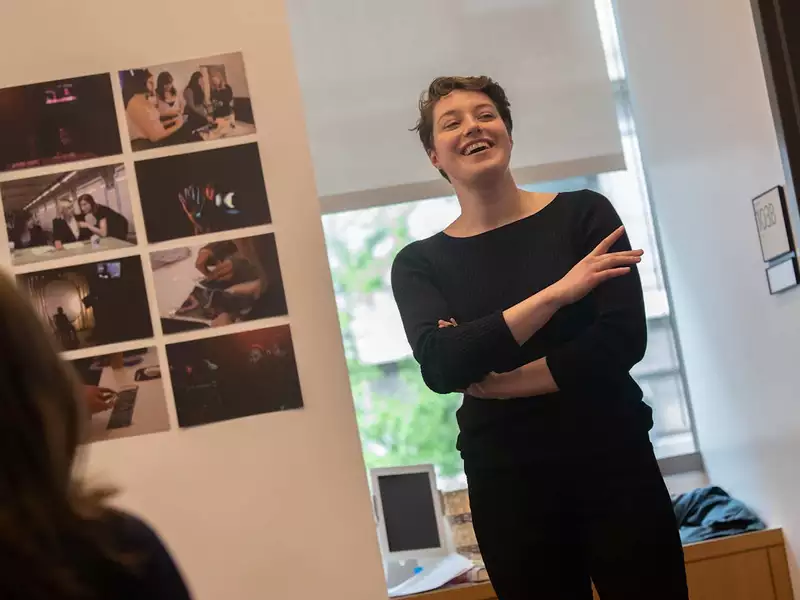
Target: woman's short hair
{"x":442,"y":86}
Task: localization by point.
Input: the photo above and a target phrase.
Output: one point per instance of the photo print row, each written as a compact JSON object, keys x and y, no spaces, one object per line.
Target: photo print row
{"x":213,"y":379}
{"x":84,"y":211}
{"x":124,"y":394}
{"x":197,"y":287}
{"x":75,"y":119}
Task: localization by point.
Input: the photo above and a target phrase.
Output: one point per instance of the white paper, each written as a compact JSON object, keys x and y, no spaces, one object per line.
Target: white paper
{"x":435,"y":577}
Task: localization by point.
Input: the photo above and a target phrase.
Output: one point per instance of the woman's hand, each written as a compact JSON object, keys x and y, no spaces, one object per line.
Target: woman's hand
{"x":98,"y":398}
{"x":490,"y":388}
{"x":598,"y":266}
{"x":223,"y":271}
{"x":247,"y":288}
{"x":201,"y":262}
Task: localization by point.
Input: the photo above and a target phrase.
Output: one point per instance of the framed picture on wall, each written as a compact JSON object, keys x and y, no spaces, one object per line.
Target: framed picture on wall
{"x":783,"y":276}
{"x":772,"y":220}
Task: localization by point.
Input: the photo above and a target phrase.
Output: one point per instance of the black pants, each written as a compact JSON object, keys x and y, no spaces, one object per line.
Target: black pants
{"x":549,"y":528}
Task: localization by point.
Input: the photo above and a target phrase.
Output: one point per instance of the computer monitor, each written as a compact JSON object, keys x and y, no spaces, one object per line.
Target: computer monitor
{"x":408,"y":511}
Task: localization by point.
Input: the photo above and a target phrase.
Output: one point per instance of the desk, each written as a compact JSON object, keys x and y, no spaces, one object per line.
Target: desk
{"x":26,"y":256}
{"x":225,"y":130}
{"x":752,"y":566}
{"x":150,"y":410}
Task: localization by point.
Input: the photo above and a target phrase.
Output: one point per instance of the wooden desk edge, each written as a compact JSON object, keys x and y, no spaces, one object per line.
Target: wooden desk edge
{"x":769,"y":538}
{"x":733,"y":545}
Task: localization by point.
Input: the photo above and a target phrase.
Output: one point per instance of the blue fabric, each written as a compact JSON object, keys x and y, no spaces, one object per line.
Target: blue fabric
{"x":708,"y":513}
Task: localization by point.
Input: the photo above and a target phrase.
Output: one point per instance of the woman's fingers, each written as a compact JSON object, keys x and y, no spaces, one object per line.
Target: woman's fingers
{"x":606,"y":244}
{"x":611,"y":274}
{"x":617,"y":260}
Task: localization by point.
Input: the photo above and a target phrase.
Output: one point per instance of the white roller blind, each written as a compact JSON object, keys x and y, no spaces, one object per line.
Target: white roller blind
{"x":363,"y":63}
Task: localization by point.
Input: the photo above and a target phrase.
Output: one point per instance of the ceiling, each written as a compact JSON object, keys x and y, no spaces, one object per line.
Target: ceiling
{"x":17,"y":194}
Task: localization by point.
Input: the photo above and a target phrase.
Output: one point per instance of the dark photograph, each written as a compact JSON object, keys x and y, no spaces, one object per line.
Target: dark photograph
{"x":233,"y":376}
{"x":93,"y":304}
{"x":203,"y":192}
{"x":124,"y":394}
{"x":58,"y":121}
{"x":189,"y":101}
{"x":219,"y":283}
{"x":68,"y":214}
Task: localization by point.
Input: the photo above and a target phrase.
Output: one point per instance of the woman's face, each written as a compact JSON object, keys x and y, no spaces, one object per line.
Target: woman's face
{"x":470,"y":139}
{"x":151,"y":85}
{"x":216,"y":80}
{"x":201,"y":81}
{"x":86,"y":207}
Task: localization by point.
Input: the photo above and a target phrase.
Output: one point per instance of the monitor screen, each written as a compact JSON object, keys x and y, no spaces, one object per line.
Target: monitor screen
{"x":109,"y":270}
{"x":409,"y":512}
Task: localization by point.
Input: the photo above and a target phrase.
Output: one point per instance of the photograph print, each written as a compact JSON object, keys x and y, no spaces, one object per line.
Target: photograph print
{"x":57,"y":122}
{"x":124,"y":394}
{"x":218,"y":283}
{"x":203,"y":192}
{"x":68,"y":214}
{"x":92,"y":304}
{"x":233,"y":376}
{"x":189,"y":101}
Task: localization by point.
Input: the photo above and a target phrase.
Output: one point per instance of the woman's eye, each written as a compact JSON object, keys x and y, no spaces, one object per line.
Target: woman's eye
{"x":451,"y":125}
{"x":487,"y":116}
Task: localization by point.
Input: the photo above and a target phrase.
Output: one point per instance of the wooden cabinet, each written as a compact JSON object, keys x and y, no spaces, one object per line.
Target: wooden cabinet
{"x":743,"y":567}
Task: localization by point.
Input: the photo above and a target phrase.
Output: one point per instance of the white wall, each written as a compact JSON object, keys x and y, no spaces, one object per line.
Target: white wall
{"x":272,"y":506}
{"x":709,"y":146}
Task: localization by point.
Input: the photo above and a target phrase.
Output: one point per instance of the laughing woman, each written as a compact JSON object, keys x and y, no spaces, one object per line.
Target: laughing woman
{"x":531,"y":303}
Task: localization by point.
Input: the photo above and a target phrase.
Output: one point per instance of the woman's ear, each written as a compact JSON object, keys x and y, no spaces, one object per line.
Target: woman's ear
{"x":434,"y":159}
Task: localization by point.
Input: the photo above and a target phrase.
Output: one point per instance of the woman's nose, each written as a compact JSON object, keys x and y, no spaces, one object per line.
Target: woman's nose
{"x":471,"y":125}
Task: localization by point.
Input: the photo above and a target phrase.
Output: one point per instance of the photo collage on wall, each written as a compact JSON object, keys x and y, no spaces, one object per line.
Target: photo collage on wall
{"x":158,"y":248}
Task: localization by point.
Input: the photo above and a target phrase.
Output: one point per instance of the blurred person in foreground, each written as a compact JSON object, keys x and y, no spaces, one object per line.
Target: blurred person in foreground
{"x":59,"y":537}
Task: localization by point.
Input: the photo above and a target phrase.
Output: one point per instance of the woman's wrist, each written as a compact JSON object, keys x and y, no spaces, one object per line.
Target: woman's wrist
{"x":552,"y":296}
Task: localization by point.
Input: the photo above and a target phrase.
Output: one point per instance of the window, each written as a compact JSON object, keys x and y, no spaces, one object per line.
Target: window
{"x":401,"y":422}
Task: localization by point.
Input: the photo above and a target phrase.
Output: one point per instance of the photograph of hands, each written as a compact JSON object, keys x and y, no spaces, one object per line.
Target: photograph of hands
{"x":124,"y":394}
{"x":219,"y":283}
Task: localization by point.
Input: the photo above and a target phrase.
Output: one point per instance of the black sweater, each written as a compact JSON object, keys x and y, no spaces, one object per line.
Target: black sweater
{"x":589,"y":346}
{"x":141,"y":567}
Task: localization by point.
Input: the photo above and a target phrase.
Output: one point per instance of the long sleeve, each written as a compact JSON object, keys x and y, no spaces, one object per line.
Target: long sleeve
{"x":61,"y":232}
{"x":450,"y":358}
{"x":616,"y":341}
